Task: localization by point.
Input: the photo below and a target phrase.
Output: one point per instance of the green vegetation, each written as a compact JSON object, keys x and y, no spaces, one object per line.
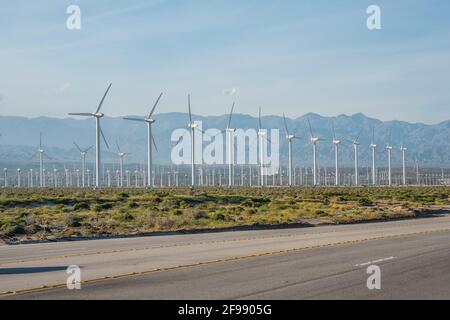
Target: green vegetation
{"x":58,"y":213}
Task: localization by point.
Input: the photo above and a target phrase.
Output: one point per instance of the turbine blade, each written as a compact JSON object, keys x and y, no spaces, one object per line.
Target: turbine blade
{"x":259,"y":119}
{"x":180,"y":139}
{"x":103,"y":99}
{"x":118,"y":147}
{"x":285,"y":125}
{"x":104,"y":139}
{"x":373,"y":134}
{"x":310,"y":129}
{"x":134,"y":119}
{"x":334,"y":131}
{"x":221,"y":132}
{"x":88,"y":149}
{"x":84,"y":114}
{"x":40,"y":140}
{"x":154,"y":106}
{"x":189,"y":106}
{"x":154,"y":143}
{"x":79,"y":149}
{"x":231,"y":115}
{"x":203,"y":132}
{"x":359,"y":134}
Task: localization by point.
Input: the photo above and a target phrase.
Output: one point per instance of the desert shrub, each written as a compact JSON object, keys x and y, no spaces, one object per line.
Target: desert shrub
{"x":197,"y":215}
{"x":11,"y":229}
{"x":219,"y":217}
{"x":81,"y":206}
{"x":365,"y":201}
{"x":72,"y":220}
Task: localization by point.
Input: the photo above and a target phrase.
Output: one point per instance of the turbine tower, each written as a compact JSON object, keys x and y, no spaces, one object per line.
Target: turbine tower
{"x":289,"y":138}
{"x":373,"y":147}
{"x":98,"y":131}
{"x":149,"y":121}
{"x":314,"y":139}
{"x":356,"y":145}
{"x":121,"y":156}
{"x":83,"y":153}
{"x":403,"y":150}
{"x":230,"y":134}
{"x":389,"y":152}
{"x":41,"y":152}
{"x":336,"y":143}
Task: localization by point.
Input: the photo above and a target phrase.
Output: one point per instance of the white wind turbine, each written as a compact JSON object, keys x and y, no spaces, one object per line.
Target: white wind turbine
{"x":121,"y":155}
{"x":373,"y":147}
{"x":289,"y":138}
{"x":83,"y":153}
{"x":336,"y":143}
{"x":356,"y":145}
{"x":230,"y":147}
{"x":192,"y":126}
{"x":149,"y":121}
{"x":403,"y":150}
{"x":98,"y":131}
{"x":314,"y":139}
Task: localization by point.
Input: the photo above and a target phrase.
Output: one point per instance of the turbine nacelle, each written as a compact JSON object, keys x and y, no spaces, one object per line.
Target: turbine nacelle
{"x":373,"y":146}
{"x":149,"y":120}
{"x":98,"y":115}
{"x":192,"y":126}
{"x":314,"y":140}
{"x":290,"y":137}
{"x":336,"y":142}
{"x":229,"y":130}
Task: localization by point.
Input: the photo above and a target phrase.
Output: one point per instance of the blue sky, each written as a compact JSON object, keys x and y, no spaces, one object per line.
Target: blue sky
{"x":292,"y":56}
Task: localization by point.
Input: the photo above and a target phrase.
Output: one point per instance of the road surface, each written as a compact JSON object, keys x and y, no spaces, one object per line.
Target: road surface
{"x":306,"y":263}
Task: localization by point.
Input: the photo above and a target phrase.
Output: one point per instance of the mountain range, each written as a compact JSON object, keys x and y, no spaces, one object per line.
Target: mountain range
{"x":428,"y":144}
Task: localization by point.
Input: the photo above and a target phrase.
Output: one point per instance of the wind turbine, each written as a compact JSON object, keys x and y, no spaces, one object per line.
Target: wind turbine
{"x":83,"y":153}
{"x":98,"y":131}
{"x":356,"y":145}
{"x":336,"y":143}
{"x":373,"y":147}
{"x":192,"y":126}
{"x":289,"y":138}
{"x":314,"y":139}
{"x":149,"y":121}
{"x":403,"y":150}
{"x":121,"y":156}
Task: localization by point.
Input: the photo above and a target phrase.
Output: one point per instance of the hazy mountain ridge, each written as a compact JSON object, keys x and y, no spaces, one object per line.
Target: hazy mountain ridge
{"x":429,"y":143}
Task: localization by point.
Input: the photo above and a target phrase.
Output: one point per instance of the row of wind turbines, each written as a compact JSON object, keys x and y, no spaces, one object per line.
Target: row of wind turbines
{"x":262,"y":139}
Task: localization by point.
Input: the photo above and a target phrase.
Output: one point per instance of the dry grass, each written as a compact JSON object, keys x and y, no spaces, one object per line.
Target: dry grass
{"x":58,"y":213}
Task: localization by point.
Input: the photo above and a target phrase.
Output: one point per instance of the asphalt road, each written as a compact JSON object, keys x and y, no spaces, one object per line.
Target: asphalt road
{"x":311,"y":263}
